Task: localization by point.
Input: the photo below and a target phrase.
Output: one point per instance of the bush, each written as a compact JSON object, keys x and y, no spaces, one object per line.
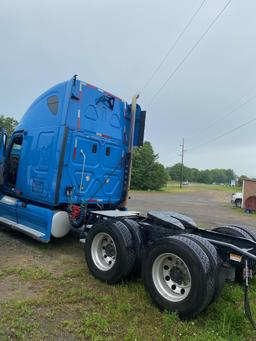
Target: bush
{"x":147,"y":173}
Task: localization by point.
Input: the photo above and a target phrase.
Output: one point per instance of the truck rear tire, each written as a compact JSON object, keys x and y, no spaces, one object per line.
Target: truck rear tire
{"x":234,"y":231}
{"x":215,"y":261}
{"x":134,"y":229}
{"x":177,"y":274}
{"x":109,"y":251}
{"x":249,"y":230}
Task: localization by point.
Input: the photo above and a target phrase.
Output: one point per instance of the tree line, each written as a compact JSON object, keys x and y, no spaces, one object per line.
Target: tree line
{"x":149,"y":174}
{"x":206,"y":176}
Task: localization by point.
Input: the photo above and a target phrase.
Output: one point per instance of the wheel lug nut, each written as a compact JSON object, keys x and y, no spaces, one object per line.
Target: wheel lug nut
{"x":167,"y":278}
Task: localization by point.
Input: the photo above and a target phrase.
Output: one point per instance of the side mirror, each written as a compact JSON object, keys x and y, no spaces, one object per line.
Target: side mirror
{"x":139,"y":128}
{"x":3,"y":140}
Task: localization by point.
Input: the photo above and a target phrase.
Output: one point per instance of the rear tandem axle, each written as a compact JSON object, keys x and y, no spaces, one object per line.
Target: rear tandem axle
{"x":183,"y":267}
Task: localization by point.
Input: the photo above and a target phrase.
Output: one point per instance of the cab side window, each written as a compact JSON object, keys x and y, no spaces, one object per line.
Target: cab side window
{"x":12,"y":162}
{"x":53,"y":104}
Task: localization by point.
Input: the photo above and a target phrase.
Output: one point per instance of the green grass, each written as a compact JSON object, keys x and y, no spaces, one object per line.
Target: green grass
{"x":26,"y":272}
{"x":174,"y":187}
{"x":241,"y":212}
{"x":75,"y":306}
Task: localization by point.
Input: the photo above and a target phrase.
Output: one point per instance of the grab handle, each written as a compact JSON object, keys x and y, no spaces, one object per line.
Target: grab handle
{"x":82,"y":175}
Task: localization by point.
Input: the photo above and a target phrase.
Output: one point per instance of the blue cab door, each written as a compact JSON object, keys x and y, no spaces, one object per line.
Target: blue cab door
{"x":14,"y":210}
{"x":8,"y":172}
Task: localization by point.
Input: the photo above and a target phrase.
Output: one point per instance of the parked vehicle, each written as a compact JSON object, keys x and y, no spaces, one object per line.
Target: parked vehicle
{"x":68,"y":165}
{"x":237,"y":199}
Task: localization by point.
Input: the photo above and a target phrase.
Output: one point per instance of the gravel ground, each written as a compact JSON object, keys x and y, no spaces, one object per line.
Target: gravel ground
{"x":207,"y":207}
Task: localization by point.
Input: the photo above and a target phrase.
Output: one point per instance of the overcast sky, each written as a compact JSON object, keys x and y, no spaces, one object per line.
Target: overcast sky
{"x":116,"y":45}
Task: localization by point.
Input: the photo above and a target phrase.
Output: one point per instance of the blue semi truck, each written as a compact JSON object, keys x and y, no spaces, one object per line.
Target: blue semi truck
{"x":68,"y":165}
{"x":70,"y":148}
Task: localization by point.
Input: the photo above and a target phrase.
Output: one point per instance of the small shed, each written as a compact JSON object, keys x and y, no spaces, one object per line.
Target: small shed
{"x":249,"y":195}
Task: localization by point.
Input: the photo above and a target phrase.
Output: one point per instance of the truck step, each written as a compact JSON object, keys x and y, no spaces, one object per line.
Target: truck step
{"x":22,"y":228}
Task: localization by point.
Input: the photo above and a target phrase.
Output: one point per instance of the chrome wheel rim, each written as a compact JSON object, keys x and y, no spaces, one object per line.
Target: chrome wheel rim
{"x":171,"y":277}
{"x":103,"y":251}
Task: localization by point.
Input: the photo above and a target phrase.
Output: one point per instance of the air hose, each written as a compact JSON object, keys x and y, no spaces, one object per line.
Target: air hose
{"x":76,"y":216}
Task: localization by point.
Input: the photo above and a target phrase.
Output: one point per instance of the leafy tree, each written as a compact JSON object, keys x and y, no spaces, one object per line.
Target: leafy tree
{"x":147,"y":173}
{"x":241,"y":179}
{"x":205,"y":176}
{"x":194,"y":175}
{"x":174,"y":171}
{"x":218,"y":176}
{"x":8,"y":123}
{"x":230,"y":175}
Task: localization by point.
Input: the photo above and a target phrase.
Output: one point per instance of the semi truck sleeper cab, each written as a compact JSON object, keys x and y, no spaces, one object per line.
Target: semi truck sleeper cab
{"x":71,"y":148}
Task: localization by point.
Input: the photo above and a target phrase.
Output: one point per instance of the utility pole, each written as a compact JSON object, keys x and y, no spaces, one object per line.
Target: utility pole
{"x":182,"y":162}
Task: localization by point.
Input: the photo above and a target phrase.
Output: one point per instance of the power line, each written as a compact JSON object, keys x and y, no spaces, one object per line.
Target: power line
{"x":171,"y":49}
{"x":224,"y":134}
{"x":228,"y":114}
{"x":171,"y":159}
{"x":189,"y":52}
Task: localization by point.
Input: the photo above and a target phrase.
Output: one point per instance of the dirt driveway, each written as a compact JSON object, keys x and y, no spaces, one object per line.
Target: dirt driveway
{"x":207,"y":207}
